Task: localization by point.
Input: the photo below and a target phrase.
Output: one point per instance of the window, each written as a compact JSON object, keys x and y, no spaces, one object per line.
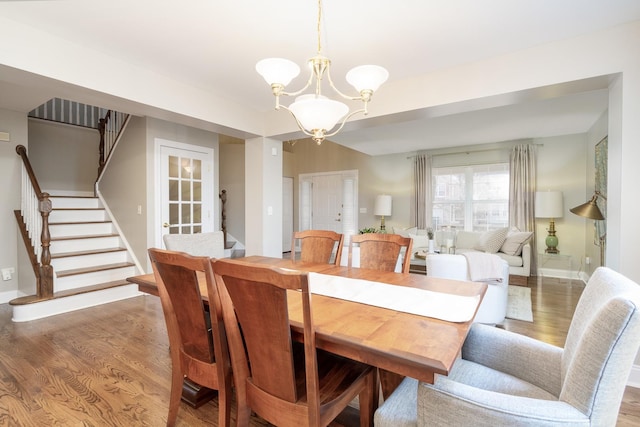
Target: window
{"x":472,"y":198}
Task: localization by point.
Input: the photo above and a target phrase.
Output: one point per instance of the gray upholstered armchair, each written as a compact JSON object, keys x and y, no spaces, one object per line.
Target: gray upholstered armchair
{"x":504,"y":378}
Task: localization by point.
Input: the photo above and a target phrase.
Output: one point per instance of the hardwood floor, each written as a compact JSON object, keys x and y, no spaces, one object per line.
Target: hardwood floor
{"x":110,"y":366}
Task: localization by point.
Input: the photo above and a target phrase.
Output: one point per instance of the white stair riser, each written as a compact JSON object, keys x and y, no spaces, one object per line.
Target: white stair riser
{"x":84,"y":261}
{"x":64,"y":230}
{"x":94,"y":278}
{"x":77,"y":215}
{"x":71,"y":202}
{"x":74,"y":245}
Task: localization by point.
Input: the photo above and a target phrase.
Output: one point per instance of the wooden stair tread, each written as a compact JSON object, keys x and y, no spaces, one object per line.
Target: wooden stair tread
{"x":84,"y":236}
{"x":77,"y":209}
{"x":30,"y":299}
{"x":80,"y":222}
{"x":89,"y":252}
{"x":72,"y":197}
{"x":93,"y":269}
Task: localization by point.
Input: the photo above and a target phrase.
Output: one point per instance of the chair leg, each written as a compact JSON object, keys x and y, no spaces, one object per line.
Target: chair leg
{"x":366,"y":400}
{"x":224,"y":405}
{"x":176,"y":394}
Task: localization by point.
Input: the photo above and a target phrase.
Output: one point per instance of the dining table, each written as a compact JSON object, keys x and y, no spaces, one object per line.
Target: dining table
{"x":397,"y":342}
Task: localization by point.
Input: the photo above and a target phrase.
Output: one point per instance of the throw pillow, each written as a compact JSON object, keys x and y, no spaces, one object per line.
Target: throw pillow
{"x":515,"y":241}
{"x":419,"y":241}
{"x":404,"y":232}
{"x":491,"y":241}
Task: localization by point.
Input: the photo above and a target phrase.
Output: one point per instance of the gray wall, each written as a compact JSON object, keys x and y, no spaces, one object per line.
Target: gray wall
{"x":232,"y":179}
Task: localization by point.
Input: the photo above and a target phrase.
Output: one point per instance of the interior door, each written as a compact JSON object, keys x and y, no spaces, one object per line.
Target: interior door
{"x":287,"y":213}
{"x":186,"y":189}
{"x":327,"y":203}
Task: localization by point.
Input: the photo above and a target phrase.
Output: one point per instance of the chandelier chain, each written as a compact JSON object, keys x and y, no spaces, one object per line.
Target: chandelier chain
{"x":319,"y":25}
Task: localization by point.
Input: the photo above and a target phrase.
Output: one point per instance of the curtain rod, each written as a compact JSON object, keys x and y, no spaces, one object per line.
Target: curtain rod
{"x":470,"y":151}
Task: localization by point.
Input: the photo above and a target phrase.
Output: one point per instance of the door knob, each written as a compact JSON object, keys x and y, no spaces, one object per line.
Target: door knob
{"x":167,"y":225}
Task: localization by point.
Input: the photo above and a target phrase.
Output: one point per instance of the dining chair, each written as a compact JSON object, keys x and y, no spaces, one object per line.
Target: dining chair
{"x":209,"y":244}
{"x":318,"y":246}
{"x":504,"y":378}
{"x":197,"y":338}
{"x":285,"y":382}
{"x":378,"y":251}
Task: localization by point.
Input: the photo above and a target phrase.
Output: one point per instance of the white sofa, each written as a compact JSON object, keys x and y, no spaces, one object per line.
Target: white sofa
{"x":510,"y":245}
{"x":494,"y":305}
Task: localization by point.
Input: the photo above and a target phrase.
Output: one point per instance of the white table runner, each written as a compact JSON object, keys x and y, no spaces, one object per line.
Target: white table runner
{"x":443,"y":306}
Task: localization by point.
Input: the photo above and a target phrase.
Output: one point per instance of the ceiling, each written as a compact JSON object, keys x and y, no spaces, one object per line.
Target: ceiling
{"x":214,"y":45}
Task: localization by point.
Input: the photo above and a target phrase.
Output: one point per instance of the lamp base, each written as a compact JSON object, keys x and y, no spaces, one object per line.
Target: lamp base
{"x":552,"y":240}
{"x":383,"y":229}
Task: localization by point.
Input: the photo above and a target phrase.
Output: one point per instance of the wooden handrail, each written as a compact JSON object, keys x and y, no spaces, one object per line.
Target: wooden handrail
{"x":44,"y":280}
{"x":110,"y":128}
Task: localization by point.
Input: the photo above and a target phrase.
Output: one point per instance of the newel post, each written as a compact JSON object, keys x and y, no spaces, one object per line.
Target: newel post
{"x":46,"y":270}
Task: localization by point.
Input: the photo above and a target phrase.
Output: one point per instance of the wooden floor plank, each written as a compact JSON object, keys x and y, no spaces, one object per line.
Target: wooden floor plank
{"x":110,"y":365}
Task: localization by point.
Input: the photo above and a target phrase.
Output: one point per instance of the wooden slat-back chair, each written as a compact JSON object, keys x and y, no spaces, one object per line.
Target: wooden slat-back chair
{"x":381,"y":251}
{"x":197,"y":338}
{"x":286,"y":383}
{"x":317,"y":246}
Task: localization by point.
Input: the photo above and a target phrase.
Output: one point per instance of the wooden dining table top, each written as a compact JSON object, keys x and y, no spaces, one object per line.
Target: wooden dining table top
{"x":406,"y":344}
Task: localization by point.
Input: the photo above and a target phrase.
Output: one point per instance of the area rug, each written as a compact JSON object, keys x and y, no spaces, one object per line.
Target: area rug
{"x":519,"y":303}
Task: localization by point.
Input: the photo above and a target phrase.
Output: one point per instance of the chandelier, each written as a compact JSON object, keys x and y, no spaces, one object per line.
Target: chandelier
{"x":316,"y":114}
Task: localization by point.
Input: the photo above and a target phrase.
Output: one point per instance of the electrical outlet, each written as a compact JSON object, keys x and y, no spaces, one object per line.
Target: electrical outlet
{"x":6,"y":273}
{"x":587,"y":260}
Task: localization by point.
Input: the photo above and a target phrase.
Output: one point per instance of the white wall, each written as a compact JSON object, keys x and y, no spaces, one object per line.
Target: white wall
{"x":10,"y":176}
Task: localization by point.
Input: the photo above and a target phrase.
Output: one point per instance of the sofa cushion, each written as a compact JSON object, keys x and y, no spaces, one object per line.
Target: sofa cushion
{"x":419,"y":241}
{"x":492,"y":241}
{"x":515,"y":241}
{"x":467,"y":239}
{"x":404,"y":232}
{"x":512,"y":260}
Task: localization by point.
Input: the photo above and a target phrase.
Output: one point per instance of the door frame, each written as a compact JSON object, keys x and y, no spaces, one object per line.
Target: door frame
{"x":308,"y":177}
{"x":209,"y":152}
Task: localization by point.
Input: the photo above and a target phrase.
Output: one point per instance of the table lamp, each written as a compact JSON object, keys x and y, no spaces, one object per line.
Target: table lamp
{"x":382,"y":207}
{"x":549,"y":205}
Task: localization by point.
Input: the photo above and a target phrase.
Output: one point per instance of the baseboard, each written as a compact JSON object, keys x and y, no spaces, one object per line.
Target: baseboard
{"x":634,"y":377}
{"x":39,"y":310}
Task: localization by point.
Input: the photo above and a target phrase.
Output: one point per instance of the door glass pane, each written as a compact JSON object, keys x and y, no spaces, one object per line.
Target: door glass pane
{"x":186,"y":168}
{"x":186,"y":191}
{"x":197,"y":191}
{"x":197,"y":169}
{"x":173,"y":167}
{"x":197,"y":213}
{"x":186,"y":229}
{"x":186,"y":214}
{"x":197,"y":229}
{"x":173,"y":213}
{"x":173,"y":190}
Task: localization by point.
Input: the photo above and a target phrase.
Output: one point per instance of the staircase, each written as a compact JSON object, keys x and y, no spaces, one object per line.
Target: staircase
{"x":90,"y":261}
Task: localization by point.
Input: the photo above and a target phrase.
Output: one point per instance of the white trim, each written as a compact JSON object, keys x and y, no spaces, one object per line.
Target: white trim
{"x":115,"y":224}
{"x":634,"y":377}
{"x":206,"y":151}
{"x":39,"y":310}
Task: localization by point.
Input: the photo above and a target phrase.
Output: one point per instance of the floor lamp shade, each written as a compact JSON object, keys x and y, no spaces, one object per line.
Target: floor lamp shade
{"x":549,"y":204}
{"x":382,"y":208}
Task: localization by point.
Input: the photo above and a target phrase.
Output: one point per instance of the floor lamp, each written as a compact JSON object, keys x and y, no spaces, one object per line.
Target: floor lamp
{"x":592,"y":211}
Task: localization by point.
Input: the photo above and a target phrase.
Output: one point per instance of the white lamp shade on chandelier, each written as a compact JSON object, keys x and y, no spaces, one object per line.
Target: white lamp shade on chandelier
{"x":318,"y":112}
{"x":316,"y":115}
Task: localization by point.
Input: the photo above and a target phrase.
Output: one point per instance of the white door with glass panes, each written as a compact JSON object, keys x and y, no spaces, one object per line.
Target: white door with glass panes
{"x":186,"y":180}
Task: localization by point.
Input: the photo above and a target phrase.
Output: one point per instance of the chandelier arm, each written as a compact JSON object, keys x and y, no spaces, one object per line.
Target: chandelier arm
{"x":284,"y":107}
{"x":333,"y":86}
{"x":344,"y":121}
{"x":298,"y":92}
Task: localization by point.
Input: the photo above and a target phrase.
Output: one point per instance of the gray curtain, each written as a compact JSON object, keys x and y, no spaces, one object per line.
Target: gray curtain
{"x":421,"y":212}
{"x":522,"y":193}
